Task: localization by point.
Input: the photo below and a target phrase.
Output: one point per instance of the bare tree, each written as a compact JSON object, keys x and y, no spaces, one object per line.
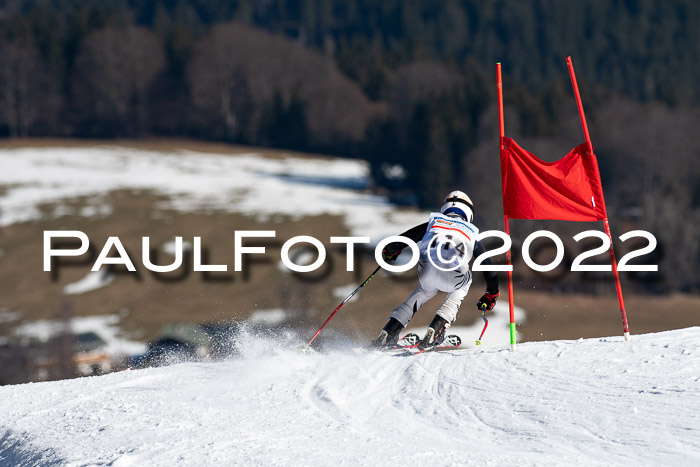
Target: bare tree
{"x":237,"y":70}
{"x":414,"y":83}
{"x":418,"y":81}
{"x":652,"y":152}
{"x":114,"y":70}
{"x":28,"y":97}
{"x":219,"y":82}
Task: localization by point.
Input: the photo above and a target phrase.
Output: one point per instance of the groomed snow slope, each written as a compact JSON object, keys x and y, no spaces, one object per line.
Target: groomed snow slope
{"x":586,"y":402}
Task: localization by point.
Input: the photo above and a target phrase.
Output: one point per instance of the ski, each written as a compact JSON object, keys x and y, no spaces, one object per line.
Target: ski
{"x":451,"y":342}
{"x":409,"y":345}
{"x":409,"y":341}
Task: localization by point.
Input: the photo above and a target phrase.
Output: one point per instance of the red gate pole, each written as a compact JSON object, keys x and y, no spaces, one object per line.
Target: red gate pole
{"x":511,"y":304}
{"x":618,"y":285}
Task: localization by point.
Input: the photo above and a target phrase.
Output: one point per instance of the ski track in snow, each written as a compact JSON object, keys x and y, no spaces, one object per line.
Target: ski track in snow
{"x":592,"y":402}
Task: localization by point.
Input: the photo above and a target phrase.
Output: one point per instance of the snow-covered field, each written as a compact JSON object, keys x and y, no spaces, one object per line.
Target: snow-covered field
{"x":107,"y":327}
{"x":587,"y":402}
{"x":251,"y":184}
{"x":258,"y":186}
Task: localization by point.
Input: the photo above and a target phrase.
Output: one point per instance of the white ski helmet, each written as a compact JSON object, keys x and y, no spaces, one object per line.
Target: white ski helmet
{"x":457,"y":202}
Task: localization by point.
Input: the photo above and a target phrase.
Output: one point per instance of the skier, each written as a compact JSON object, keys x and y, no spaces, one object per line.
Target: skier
{"x":448,"y":242}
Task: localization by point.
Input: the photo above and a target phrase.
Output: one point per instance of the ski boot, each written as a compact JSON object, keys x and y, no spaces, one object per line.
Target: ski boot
{"x":437,"y":330}
{"x":389,"y":335}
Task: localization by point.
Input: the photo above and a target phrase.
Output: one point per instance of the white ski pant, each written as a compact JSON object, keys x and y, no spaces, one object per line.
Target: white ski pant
{"x":455,"y":283}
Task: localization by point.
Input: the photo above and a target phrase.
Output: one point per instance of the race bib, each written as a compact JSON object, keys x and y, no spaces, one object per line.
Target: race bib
{"x":448,"y":242}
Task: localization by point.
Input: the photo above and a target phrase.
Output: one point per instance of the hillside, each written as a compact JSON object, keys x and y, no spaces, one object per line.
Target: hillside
{"x":585,"y":402}
{"x":167,"y":189}
{"x":162,"y":192}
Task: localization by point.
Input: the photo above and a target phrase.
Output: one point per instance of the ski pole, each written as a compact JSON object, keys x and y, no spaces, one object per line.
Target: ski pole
{"x":341,"y":305}
{"x":486,"y":324}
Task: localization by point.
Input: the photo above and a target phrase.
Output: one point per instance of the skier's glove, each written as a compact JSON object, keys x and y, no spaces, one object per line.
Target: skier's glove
{"x":487,"y":301}
{"x":390,"y":257}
